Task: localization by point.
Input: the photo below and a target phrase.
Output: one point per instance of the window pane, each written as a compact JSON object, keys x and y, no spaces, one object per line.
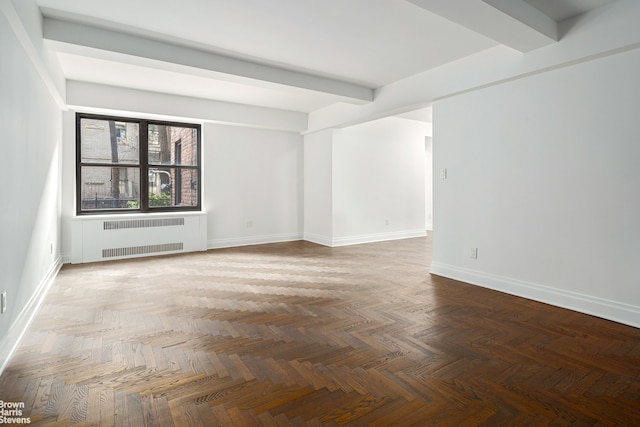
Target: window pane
{"x":109,"y":141}
{"x":105,"y":187}
{"x":173,"y":187}
{"x":173,"y":145}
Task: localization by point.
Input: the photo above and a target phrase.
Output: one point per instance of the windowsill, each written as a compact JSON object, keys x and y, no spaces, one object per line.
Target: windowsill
{"x":137,"y":215}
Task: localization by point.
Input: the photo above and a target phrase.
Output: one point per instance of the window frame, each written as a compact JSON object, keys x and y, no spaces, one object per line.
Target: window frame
{"x":143,"y":165}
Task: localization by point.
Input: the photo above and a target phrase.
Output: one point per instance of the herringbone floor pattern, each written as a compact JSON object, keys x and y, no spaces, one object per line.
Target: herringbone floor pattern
{"x":297,"y":334}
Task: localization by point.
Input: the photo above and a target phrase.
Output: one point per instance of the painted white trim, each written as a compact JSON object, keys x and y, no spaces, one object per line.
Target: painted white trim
{"x":11,"y":341}
{"x":378,"y":237}
{"x":599,"y":307}
{"x":252,"y":240}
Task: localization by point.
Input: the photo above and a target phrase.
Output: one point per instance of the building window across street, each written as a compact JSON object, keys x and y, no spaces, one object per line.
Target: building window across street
{"x":133,"y":165}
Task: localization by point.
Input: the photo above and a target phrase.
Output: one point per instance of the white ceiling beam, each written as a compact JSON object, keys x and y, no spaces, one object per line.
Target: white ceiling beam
{"x":513,"y":23}
{"x":607,"y":31}
{"x":77,"y":38}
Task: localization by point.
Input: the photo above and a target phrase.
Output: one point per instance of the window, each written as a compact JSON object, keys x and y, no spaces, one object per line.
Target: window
{"x":130,"y":165}
{"x":121,"y":132}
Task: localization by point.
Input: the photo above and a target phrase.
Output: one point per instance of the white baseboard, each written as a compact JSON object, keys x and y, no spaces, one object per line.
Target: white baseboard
{"x":9,"y":344}
{"x":378,"y":237}
{"x":314,"y":238}
{"x":252,"y":240}
{"x":366,"y":238}
{"x":318,"y":239}
{"x":595,"y":306}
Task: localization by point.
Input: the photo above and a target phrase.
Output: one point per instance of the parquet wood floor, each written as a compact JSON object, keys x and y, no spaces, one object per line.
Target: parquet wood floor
{"x":296,"y":334}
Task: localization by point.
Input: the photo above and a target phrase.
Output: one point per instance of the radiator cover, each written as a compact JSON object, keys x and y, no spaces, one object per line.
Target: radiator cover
{"x":109,"y":237}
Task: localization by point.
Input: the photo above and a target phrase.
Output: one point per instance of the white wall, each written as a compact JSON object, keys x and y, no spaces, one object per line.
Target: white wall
{"x":26,"y":21}
{"x":365,"y":183}
{"x":379,"y":181}
{"x":68,"y":190}
{"x":252,"y":184}
{"x":428,"y":167}
{"x":114,"y":100}
{"x":30,"y":120}
{"x":543,"y":179}
{"x":318,"y":192}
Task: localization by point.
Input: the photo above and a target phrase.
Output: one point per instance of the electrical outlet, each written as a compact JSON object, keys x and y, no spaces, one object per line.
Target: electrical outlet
{"x":386,"y":222}
{"x":474,"y":253}
{"x":443,"y":173}
{"x":3,"y":302}
{"x":249,"y":224}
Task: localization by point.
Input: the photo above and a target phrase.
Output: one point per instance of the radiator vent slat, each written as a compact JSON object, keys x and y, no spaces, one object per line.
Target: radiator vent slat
{"x":142,"y":223}
{"x":141,"y":250}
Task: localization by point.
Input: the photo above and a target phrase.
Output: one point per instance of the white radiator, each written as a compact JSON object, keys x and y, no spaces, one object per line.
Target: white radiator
{"x":109,"y":237}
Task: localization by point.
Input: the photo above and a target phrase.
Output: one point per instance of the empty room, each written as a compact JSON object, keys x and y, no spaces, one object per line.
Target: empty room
{"x":320,"y":213}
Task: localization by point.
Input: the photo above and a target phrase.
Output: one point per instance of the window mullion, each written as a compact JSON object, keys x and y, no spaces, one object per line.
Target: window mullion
{"x":144,"y":166}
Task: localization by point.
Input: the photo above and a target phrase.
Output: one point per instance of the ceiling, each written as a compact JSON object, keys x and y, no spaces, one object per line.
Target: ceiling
{"x":559,"y":10}
{"x":286,"y":54}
